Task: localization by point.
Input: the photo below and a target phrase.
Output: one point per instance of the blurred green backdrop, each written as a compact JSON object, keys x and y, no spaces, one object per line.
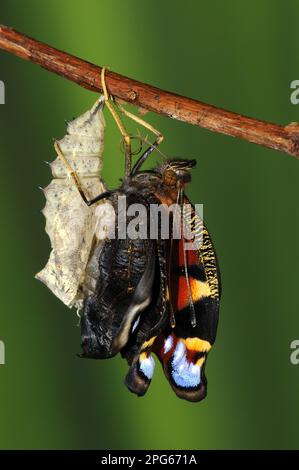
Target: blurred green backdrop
{"x":238,"y":55}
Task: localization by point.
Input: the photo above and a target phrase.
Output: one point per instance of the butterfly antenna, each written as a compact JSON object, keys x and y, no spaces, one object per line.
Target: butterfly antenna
{"x":172,"y":314}
{"x":191,"y":303}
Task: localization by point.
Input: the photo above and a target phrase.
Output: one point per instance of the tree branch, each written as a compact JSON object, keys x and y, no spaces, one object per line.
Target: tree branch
{"x":87,"y":75}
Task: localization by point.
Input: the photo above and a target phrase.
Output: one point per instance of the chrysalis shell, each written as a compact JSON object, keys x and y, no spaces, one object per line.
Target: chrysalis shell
{"x":70,"y":223}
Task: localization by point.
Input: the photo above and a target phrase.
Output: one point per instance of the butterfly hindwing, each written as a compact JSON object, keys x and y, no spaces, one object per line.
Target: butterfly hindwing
{"x":141,"y":371}
{"x":183,"y":361}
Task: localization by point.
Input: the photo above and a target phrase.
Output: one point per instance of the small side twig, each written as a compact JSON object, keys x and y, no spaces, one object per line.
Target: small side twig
{"x":87,"y":75}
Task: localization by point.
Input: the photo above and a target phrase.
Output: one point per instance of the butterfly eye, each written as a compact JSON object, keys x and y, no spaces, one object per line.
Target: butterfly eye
{"x":170,"y":178}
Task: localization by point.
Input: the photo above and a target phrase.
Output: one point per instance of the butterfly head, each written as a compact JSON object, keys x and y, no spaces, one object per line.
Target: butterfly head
{"x":176,"y":173}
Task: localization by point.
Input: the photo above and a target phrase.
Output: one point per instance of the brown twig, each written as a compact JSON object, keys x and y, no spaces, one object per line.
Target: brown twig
{"x":87,"y":75}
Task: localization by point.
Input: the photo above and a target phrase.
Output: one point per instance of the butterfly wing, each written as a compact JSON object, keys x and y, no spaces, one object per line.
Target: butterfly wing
{"x":123,"y":291}
{"x":183,"y":349}
{"x":153,"y":320}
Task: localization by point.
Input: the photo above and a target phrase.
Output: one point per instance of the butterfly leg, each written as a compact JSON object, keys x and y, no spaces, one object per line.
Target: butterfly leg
{"x":141,"y":121}
{"x":125,"y":134}
{"x":126,"y":137}
{"x":76,"y":179}
{"x":148,"y":126}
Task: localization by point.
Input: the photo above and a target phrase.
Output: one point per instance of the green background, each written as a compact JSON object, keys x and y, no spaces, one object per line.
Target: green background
{"x":237,"y":55}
